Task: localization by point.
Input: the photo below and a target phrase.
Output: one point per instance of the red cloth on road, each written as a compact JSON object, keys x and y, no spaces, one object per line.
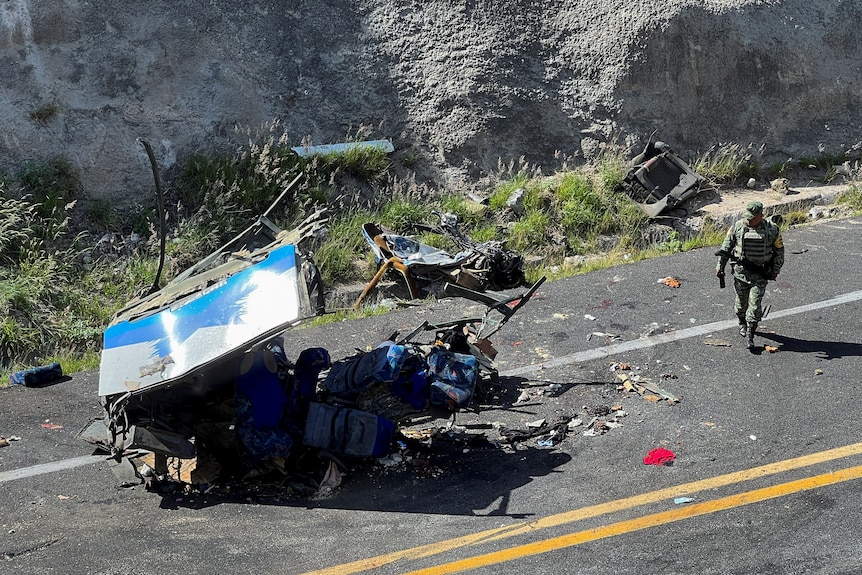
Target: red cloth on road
{"x":659,"y":456}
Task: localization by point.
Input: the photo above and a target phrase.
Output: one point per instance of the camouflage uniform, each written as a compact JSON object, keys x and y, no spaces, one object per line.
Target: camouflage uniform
{"x":760,"y":245}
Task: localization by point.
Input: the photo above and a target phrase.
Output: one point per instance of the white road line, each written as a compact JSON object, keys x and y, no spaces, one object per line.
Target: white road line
{"x":653,"y":340}
{"x":49,"y":467}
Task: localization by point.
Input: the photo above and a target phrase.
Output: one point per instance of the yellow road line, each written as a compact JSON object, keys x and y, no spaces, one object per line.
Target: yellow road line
{"x":591,"y":511}
{"x":644,"y":522}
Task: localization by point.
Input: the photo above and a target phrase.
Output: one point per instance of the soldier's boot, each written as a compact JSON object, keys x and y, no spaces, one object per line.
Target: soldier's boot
{"x":743,"y":328}
{"x":749,"y":341}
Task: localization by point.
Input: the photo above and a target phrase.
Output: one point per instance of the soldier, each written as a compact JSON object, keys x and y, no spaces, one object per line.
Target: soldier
{"x":756,"y":251}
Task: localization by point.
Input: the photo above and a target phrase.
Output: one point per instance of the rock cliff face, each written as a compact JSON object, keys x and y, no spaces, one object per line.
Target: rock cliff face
{"x":458,"y":85}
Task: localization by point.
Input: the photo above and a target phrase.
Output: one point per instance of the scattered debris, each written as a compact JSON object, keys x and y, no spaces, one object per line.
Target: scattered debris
{"x":555,"y":431}
{"x":717,"y":342}
{"x":780,"y":185}
{"x":659,"y":456}
{"x":542,"y":352}
{"x":770,"y":348}
{"x":52,"y":426}
{"x":640,"y":385}
{"x":654,"y":328}
{"x":818,"y":372}
{"x":331,"y":481}
{"x":681,"y":500}
{"x":820,"y":212}
{"x":3,"y":442}
{"x":553,"y":389}
{"x":670,"y":282}
{"x":608,"y":336}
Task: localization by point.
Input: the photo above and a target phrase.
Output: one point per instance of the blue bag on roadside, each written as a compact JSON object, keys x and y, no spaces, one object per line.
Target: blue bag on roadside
{"x":37,"y":375}
{"x":350,"y":377}
{"x":260,"y":401}
{"x":345,"y":431}
{"x":453,"y":378}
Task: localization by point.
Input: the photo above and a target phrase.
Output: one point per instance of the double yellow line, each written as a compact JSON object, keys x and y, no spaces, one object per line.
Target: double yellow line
{"x":688,"y":511}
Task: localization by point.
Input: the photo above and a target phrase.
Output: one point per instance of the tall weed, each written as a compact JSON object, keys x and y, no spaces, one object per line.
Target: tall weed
{"x":726,"y":164}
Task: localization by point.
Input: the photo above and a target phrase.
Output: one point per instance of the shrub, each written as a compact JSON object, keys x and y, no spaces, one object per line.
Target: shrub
{"x":51,"y":185}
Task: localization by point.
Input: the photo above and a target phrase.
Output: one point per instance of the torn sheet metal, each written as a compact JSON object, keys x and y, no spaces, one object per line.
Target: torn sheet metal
{"x":659,"y":180}
{"x":226,"y":312}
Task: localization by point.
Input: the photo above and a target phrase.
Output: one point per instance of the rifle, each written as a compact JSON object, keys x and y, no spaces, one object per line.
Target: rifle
{"x":763,"y":271}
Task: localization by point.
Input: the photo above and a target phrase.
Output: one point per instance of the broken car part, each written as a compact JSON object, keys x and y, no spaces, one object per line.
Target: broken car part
{"x":478,"y":266}
{"x":659,"y":180}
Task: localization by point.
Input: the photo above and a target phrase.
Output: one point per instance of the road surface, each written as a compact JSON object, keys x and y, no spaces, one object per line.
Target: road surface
{"x":766,"y":475}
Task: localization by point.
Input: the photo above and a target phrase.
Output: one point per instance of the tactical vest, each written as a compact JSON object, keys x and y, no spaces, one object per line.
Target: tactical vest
{"x":755,"y":244}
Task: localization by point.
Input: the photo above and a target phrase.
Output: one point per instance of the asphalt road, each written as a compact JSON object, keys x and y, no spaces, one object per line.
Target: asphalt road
{"x":767,"y":448}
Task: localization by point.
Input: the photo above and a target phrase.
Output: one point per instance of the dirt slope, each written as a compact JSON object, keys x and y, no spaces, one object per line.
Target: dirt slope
{"x":458,"y":85}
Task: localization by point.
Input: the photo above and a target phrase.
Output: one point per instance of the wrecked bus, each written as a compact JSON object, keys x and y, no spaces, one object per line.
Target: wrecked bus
{"x":197,"y":388}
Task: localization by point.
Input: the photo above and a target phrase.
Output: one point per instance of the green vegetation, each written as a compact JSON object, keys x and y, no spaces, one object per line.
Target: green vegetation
{"x":58,"y":293}
{"x":853,"y":198}
{"x":51,"y":185}
{"x":49,"y":306}
{"x":726,"y":163}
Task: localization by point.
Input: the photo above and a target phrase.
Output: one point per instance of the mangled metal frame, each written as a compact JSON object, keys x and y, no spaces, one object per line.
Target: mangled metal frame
{"x":659,"y":180}
{"x":476,"y":267}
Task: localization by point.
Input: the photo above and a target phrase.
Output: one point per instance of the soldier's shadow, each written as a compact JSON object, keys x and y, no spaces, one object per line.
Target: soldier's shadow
{"x":824,"y":349}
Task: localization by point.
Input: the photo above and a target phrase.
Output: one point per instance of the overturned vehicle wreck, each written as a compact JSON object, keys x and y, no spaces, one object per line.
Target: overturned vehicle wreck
{"x":197,"y":387}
